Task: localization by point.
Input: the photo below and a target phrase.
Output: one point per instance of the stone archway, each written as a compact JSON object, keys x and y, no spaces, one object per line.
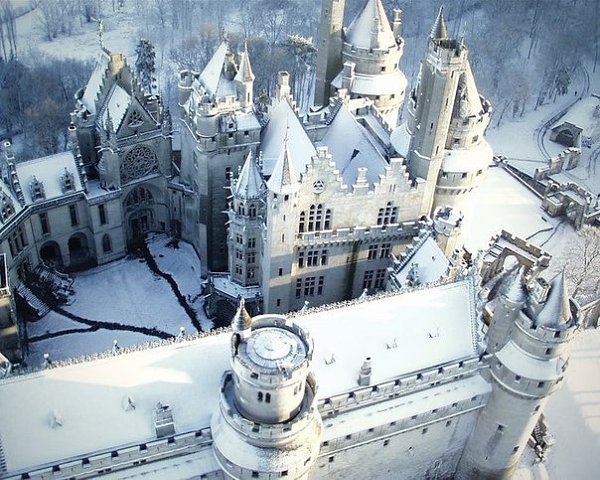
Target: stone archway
{"x":50,"y":254}
{"x":79,"y":252}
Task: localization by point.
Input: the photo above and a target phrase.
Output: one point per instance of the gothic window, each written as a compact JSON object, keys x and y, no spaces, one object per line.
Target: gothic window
{"x":37,"y":190}
{"x":324,"y":257}
{"x":252,"y":211}
{"x":312,"y":258}
{"x":17,"y":241}
{"x":302,"y":223}
{"x":300,"y":259}
{"x":250,"y":273}
{"x":7,"y":208}
{"x":320,"y":285}
{"x":67,"y":181}
{"x":102,"y":214}
{"x":309,"y":286}
{"x":252,"y":243}
{"x":252,"y":257}
{"x":373,"y":251}
{"x":106,"y":244}
{"x":139,"y":162}
{"x":73,"y":215}
{"x":138,"y":197}
{"x":327,"y":225}
{"x":240,"y":209}
{"x":387,"y":215}
{"x":135,"y":119}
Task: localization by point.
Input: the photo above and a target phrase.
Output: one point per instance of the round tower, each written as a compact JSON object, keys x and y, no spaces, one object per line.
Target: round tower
{"x":268,"y":424}
{"x":447,"y":223}
{"x":523,"y":373}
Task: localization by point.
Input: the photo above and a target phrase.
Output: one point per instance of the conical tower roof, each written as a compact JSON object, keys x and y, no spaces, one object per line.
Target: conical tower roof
{"x":556,"y":310}
{"x":513,"y":287}
{"x":284,"y":178}
{"x":439,"y":30}
{"x":242,"y":320}
{"x":249,"y":183}
{"x":370,"y":28}
{"x":244,"y":73}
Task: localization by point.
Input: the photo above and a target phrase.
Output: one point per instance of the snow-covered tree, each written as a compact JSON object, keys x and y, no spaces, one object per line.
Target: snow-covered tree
{"x":582,"y":265}
{"x":145,"y":64}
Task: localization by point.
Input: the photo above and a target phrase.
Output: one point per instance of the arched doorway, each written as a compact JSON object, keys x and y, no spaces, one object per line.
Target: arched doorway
{"x":139,"y":209}
{"x":79,"y":252}
{"x":50,"y":254}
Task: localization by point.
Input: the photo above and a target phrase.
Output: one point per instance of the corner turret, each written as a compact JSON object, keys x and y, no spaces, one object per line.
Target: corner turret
{"x":524,"y":372}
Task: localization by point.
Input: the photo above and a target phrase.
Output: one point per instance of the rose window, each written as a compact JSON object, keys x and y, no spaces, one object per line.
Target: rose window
{"x":139,"y":162}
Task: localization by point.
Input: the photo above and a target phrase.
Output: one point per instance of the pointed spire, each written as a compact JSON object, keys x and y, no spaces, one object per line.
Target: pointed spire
{"x":513,"y":287}
{"x":244,"y":73}
{"x":556,"y":309}
{"x":439,"y":31}
{"x":242,"y":321}
{"x":284,"y":178}
{"x":249,"y":183}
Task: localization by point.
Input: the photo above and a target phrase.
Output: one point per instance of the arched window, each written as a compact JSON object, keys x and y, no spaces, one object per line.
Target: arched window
{"x":302,"y":222}
{"x":106,"y":243}
{"x":252,"y":210}
{"x":240,"y":209}
{"x":138,"y":197}
{"x":268,"y":398}
{"x":311,"y":218}
{"x":260,"y":396}
{"x":138,"y":162}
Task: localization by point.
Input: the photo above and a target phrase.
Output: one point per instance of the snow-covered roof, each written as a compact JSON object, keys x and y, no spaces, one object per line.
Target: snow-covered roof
{"x":582,"y":115}
{"x":427,"y":262}
{"x":245,"y":73}
{"x":556,"y":310}
{"x":400,"y":139}
{"x":116,"y":106}
{"x":428,"y":327}
{"x":249,"y":183}
{"x":246,"y":121}
{"x":370,"y":28}
{"x":352,"y":147}
{"x":212,"y":77}
{"x":378,"y":84}
{"x":284,"y":122}
{"x":472,"y":98}
{"x":462,"y":160}
{"x":438,"y":30}
{"x":48,"y":171}
{"x":284,"y":178}
{"x":92,"y":89}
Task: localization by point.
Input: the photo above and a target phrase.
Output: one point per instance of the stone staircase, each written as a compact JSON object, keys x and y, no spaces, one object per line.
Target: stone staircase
{"x":31,"y":299}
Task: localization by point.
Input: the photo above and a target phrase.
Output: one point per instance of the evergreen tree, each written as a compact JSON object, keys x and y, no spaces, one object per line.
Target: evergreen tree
{"x":145,"y":64}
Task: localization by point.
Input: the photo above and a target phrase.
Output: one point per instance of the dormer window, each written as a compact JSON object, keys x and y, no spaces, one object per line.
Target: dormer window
{"x":67,"y":181}
{"x":37,"y":190}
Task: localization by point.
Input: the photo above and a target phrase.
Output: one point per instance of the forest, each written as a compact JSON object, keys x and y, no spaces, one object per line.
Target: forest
{"x":523,"y":53}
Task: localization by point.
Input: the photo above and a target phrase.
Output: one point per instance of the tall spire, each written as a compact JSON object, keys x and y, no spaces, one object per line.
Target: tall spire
{"x":242,"y":321}
{"x":244,"y":73}
{"x":556,"y":309}
{"x":439,"y":30}
{"x":284,"y":178}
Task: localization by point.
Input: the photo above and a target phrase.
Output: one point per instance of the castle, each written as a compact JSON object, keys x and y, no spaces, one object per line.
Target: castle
{"x":430,"y":392}
{"x":280,"y":206}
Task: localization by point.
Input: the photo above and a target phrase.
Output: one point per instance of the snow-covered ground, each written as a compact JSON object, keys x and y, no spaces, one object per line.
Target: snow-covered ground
{"x":123,"y":295}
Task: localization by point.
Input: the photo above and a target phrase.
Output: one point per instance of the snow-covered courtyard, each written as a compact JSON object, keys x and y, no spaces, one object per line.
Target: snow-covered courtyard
{"x":124,"y":301}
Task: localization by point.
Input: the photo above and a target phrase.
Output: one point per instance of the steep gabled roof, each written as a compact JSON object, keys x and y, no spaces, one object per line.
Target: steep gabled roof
{"x":114,"y":109}
{"x":371,"y":29}
{"x":283,"y":123}
{"x":92,"y":89}
{"x":352,"y":147}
